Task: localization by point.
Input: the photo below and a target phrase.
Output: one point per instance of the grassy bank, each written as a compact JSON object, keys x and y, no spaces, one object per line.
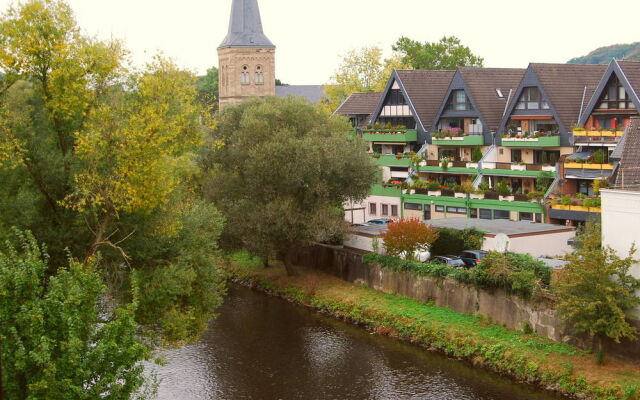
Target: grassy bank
{"x":524,"y":357}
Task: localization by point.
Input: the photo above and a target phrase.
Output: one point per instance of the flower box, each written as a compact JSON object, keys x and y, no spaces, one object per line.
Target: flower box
{"x":434,"y":193}
{"x":549,"y":168}
{"x":579,"y":208}
{"x":619,"y":133}
{"x":477,"y":196}
{"x":451,"y":138}
{"x":506,"y":198}
{"x":517,"y":139}
{"x":594,"y":133}
{"x":579,"y":133}
{"x":460,"y":195}
{"x":518,"y":167}
{"x":491,"y":196}
{"x":447,"y":192}
{"x":560,"y":207}
{"x":472,"y":165}
{"x":608,"y":133}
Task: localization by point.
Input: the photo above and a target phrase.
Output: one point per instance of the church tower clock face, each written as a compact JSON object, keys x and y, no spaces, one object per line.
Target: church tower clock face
{"x":246,"y":57}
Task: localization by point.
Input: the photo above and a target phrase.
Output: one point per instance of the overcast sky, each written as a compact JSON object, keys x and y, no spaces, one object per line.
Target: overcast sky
{"x":311,"y":35}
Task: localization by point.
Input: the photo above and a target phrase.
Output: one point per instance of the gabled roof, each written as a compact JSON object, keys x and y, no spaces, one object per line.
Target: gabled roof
{"x":628,"y":72}
{"x":480,"y":84}
{"x":425,"y":89}
{"x":313,"y":93}
{"x":245,"y":26}
{"x":565,"y":86}
{"x":628,"y":172}
{"x":359,"y":104}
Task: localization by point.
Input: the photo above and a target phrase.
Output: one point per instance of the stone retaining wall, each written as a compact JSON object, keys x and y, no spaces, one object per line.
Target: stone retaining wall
{"x":510,"y":311}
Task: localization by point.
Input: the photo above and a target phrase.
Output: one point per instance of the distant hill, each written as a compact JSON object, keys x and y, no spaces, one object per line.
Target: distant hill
{"x":604,"y":55}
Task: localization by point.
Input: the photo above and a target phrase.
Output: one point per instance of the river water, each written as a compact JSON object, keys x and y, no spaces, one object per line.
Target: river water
{"x":262,"y":347}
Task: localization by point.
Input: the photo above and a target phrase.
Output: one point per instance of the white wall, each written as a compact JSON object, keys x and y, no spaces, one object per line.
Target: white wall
{"x":621,"y":224}
{"x":379,"y":200}
{"x":548,"y":244}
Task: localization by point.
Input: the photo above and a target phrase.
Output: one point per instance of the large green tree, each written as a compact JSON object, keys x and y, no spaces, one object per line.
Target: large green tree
{"x":55,"y":340}
{"x":596,"y":290}
{"x":98,"y":157}
{"x":448,"y":53}
{"x":208,"y":93}
{"x":280,"y":171}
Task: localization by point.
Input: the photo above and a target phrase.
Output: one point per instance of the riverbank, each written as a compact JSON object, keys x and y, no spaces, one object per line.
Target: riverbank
{"x":523,"y":357}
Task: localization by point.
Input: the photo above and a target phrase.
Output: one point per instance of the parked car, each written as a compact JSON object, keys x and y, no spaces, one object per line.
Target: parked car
{"x":379,"y":221}
{"x":473,"y":257}
{"x":452,"y":261}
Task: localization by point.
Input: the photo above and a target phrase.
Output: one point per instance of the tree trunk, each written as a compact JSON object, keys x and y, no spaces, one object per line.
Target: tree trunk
{"x":265,"y":263}
{"x":598,"y":349}
{"x":285,"y":257}
{"x":102,"y":229}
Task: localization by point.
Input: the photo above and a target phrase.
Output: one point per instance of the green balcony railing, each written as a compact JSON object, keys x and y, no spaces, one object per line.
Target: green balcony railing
{"x":470,"y":140}
{"x":388,"y":160}
{"x":386,"y":190}
{"x":390,"y":135}
{"x":543,"y":141}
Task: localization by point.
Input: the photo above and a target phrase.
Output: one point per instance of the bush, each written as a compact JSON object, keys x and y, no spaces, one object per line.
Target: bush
{"x":408,"y":236}
{"x":476,"y":155}
{"x":433,"y":186}
{"x":454,"y":241}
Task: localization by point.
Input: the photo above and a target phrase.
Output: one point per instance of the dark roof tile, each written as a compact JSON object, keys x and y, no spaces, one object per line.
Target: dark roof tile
{"x":359,"y":104}
{"x":631,"y":70}
{"x":426,"y":88}
{"x":629,"y":169}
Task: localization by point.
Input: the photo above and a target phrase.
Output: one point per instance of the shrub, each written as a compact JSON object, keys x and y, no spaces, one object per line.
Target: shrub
{"x":454,"y":241}
{"x":476,"y":155}
{"x":408,"y":236}
{"x":503,"y":188}
{"x":433,"y":186}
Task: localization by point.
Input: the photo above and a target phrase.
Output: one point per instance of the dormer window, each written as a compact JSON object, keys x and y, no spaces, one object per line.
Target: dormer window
{"x":244,"y":75}
{"x":458,"y":101}
{"x":531,"y":99}
{"x":259,"y":77}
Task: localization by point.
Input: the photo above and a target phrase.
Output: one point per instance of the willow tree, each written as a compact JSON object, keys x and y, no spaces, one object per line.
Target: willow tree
{"x":280,"y":171}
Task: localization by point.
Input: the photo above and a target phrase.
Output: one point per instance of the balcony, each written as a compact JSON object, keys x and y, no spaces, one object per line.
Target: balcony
{"x":602,"y":133}
{"x":452,"y":167}
{"x":390,"y":160}
{"x":542,"y":141}
{"x":575,"y":209}
{"x":587,"y":165}
{"x":473,"y":201}
{"x":468,"y":140}
{"x":390,"y":135}
{"x":525,"y":170}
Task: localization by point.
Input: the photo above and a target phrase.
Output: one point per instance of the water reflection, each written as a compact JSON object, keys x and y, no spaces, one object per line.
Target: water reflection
{"x":265,"y":348}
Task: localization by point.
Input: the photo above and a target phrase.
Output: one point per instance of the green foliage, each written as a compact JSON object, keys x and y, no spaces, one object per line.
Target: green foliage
{"x":54,"y":343}
{"x":598,"y":156}
{"x":408,"y":236}
{"x":596,"y":289}
{"x":503,"y":188}
{"x":280,"y":169}
{"x":454,"y":241}
{"x":604,"y":55}
{"x":448,"y":53}
{"x":518,"y":274}
{"x":476,"y":155}
{"x":207,"y":87}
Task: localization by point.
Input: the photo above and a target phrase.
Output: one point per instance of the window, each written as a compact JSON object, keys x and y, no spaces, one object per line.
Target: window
{"x":439,"y":208}
{"x":394,"y":210}
{"x":373,"y":209}
{"x":413,"y":206}
{"x":546,"y":157}
{"x":516,"y":155}
{"x":539,"y":218}
{"x":486,"y":213}
{"x":259,"y":76}
{"x":456,"y":210}
{"x":525,"y":216}
{"x":615,"y":96}
{"x":531,"y":99}
{"x":501,"y":214}
{"x":458,"y":101}
{"x":473,"y":213}
{"x":385,"y":210}
{"x":244,"y":75}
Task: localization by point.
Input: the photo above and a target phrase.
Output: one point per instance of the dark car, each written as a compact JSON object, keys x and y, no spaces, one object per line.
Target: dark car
{"x":452,"y":261}
{"x":379,"y":221}
{"x":472,"y":257}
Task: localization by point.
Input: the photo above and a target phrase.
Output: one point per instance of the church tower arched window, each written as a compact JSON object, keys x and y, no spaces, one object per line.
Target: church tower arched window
{"x":259,"y":76}
{"x":244,"y":75}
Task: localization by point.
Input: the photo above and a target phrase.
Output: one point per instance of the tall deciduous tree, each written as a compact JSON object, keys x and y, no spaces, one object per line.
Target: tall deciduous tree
{"x":361,"y":70}
{"x":54,"y":341}
{"x":280,"y":170}
{"x":408,"y":236}
{"x":596,"y":289}
{"x":448,"y":53}
{"x":208,"y":93}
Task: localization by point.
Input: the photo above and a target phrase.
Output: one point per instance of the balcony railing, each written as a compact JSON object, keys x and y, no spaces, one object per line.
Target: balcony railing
{"x":466,"y":140}
{"x":603,"y":133}
{"x":390,"y":135}
{"x":532,"y":170}
{"x":586,"y":165}
{"x":542,"y":141}
{"x":390,"y":160}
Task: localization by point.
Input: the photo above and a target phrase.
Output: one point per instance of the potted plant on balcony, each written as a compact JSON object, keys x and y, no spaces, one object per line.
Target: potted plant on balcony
{"x":433,"y":189}
{"x":444,"y":162}
{"x":504,"y":191}
{"x":535,"y":196}
{"x":459,"y":192}
{"x":518,"y":166}
{"x":420,"y":187}
{"x":520,"y":196}
{"x":598,"y":157}
{"x":399,"y":156}
{"x":375,"y":155}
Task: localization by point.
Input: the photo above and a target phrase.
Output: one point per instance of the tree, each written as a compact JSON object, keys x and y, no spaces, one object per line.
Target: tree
{"x":448,"y":53}
{"x":280,"y":171}
{"x":361,"y":70}
{"x":408,"y":236}
{"x":207,"y":87}
{"x":595,"y":290}
{"x":54,"y":341}
{"x":98,"y":157}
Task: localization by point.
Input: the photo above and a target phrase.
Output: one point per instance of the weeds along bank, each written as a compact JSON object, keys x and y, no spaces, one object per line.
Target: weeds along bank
{"x":521,"y":356}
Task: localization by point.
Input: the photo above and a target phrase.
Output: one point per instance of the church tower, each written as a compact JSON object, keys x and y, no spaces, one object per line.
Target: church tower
{"x":246,"y":57}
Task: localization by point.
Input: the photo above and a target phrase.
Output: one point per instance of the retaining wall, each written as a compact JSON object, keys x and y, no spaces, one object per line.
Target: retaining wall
{"x":510,"y":311}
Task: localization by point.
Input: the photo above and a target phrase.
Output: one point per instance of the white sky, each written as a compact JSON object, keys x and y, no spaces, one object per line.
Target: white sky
{"x":311,"y":35}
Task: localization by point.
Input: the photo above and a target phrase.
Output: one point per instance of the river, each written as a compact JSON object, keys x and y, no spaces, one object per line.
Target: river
{"x":262,"y":347}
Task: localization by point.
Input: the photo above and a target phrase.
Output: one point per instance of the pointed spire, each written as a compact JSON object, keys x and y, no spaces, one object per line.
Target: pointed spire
{"x":245,"y":26}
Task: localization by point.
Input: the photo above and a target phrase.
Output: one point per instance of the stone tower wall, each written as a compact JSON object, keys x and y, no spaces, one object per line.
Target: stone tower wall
{"x":232,"y":60}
